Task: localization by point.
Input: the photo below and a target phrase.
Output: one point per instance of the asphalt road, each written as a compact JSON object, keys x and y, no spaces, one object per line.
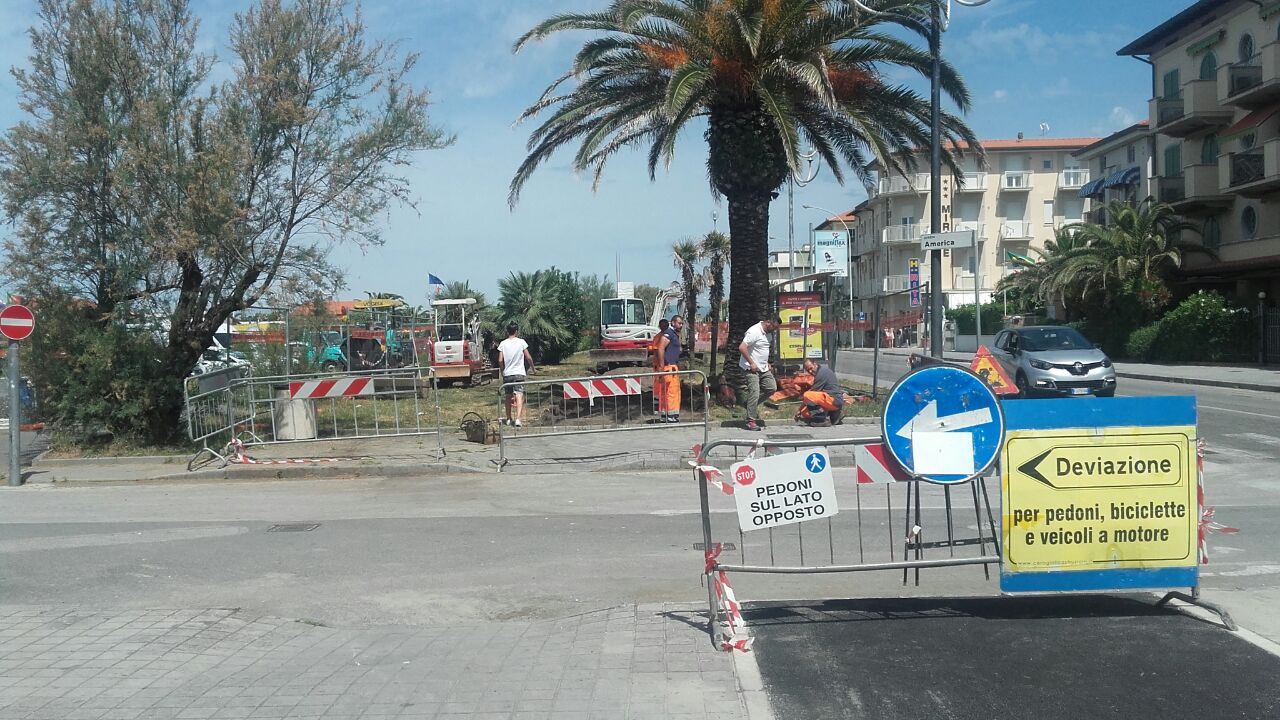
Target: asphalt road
{"x":461,"y":549}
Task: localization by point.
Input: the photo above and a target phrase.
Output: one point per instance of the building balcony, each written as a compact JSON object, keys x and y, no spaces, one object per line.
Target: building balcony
{"x":898,"y":283}
{"x":961,"y":280}
{"x":1016,"y":230}
{"x":979,"y":229}
{"x":1253,"y":173}
{"x":896,"y":184}
{"x":1170,"y":189}
{"x":903,"y":234}
{"x":1096,"y":216}
{"x":973,"y":182}
{"x":1073,"y":178}
{"x":1015,"y":180}
{"x":1196,"y":109}
{"x":1254,"y":83}
{"x":1197,"y":190}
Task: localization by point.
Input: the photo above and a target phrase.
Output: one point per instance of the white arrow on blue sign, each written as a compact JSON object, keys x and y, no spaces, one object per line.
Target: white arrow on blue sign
{"x":943,"y":423}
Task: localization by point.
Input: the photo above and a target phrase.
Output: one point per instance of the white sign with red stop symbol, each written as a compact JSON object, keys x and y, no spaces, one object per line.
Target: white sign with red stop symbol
{"x":784,"y":489}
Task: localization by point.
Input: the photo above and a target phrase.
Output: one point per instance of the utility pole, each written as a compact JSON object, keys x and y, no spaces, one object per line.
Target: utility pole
{"x":935,"y":181}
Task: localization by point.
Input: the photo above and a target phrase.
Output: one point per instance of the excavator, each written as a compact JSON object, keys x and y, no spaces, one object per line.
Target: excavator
{"x":624,"y":332}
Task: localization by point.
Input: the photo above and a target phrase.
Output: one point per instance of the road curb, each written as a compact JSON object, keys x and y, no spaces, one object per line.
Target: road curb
{"x":1195,"y":381}
{"x":250,"y":473}
{"x":42,"y":461}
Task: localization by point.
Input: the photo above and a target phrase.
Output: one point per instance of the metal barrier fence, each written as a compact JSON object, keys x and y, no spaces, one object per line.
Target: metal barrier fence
{"x":215,"y":404}
{"x":256,"y":411}
{"x":839,"y":543}
{"x":601,"y":404}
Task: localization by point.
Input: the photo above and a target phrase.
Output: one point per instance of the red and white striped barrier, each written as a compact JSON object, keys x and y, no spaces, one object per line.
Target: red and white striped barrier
{"x":235,"y":455}
{"x":592,"y":389}
{"x":1207,"y":523}
{"x":875,"y":465}
{"x":732,"y":634}
{"x":337,"y":387}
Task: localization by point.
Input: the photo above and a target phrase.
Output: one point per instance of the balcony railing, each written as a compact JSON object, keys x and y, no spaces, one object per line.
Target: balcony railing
{"x":1015,"y":180}
{"x":979,"y":229}
{"x":1015,"y":229}
{"x":1073,"y":178}
{"x":1168,"y":109}
{"x":903,"y":233}
{"x":1172,"y":188}
{"x":898,"y":283}
{"x":973,"y":182}
{"x":918,"y":182}
{"x":1247,"y":167}
{"x":1097,"y":216}
{"x":1242,"y":76}
{"x":962,"y":281}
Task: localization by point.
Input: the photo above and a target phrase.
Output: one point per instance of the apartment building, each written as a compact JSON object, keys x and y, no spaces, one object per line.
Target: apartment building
{"x":1029,"y":187}
{"x":1121,"y":167}
{"x":1215,"y":115}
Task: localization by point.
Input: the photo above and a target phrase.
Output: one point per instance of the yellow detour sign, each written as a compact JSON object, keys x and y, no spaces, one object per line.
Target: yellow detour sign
{"x":986,"y":367}
{"x":1109,"y":503}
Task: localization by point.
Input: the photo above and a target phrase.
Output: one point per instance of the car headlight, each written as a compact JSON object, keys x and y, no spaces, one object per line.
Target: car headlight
{"x":1040,"y":364}
{"x":1106,"y":362}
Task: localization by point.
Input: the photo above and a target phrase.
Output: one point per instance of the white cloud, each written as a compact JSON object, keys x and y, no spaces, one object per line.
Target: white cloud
{"x":1059,"y":88}
{"x":1000,"y":95}
{"x":1027,"y":43}
{"x":1118,"y":119}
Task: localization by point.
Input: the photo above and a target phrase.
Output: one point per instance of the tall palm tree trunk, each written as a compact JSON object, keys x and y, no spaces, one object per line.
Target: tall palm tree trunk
{"x":748,"y":265}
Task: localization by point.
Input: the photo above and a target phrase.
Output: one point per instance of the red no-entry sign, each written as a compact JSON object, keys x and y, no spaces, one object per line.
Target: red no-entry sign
{"x":17,"y":322}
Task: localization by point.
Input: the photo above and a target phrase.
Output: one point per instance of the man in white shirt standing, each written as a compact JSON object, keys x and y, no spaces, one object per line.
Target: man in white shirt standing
{"x":753,"y":359}
{"x":516,"y":364}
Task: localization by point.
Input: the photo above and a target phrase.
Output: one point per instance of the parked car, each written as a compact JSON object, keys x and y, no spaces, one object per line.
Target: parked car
{"x":1052,"y":360}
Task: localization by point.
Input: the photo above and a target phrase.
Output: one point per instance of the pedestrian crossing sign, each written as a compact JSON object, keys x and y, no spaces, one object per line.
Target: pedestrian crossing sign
{"x":985,"y":365}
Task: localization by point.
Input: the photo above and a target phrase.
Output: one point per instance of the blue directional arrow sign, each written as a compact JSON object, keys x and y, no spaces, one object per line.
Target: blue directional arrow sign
{"x":943,"y":423}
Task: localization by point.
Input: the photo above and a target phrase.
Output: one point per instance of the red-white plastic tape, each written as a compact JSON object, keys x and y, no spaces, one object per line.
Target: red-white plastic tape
{"x":611,"y":387}
{"x":1207,"y":523}
{"x":732,"y":633}
{"x":876,"y":465}
{"x":337,"y":387}
{"x":235,"y":454}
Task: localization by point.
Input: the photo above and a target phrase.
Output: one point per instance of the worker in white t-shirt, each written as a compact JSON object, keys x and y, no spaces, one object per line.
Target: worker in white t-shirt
{"x":516,"y":364}
{"x":753,"y":359}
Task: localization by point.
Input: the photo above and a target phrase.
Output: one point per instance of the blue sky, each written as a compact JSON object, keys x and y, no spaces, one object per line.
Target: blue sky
{"x":1026,"y":62}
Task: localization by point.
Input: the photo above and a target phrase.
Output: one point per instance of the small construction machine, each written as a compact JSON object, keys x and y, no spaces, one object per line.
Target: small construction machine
{"x":457,"y":350}
{"x":624,"y":331}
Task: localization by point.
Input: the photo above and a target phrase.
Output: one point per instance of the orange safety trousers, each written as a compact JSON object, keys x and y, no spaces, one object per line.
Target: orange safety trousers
{"x":666,"y":388}
{"x":821,"y":399}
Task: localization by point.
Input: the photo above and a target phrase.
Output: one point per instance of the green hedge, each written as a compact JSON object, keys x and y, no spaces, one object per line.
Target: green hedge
{"x":1205,"y":328}
{"x":992,"y":318}
{"x":1140,"y":342}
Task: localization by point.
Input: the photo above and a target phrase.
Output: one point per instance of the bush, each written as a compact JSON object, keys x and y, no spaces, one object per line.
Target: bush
{"x":1138,"y":346}
{"x":1205,"y":327}
{"x":992,"y":318}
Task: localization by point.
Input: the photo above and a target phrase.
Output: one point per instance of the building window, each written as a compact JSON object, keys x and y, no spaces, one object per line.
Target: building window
{"x":1209,"y":150}
{"x":1248,"y":140}
{"x":1133,"y":153}
{"x":1048,"y":164}
{"x":1248,"y":223}
{"x":1171,"y":84}
{"x":1211,"y":234}
{"x":1048,"y":212}
{"x":1209,"y":66}
{"x":1246,"y":48}
{"x":1173,"y":161}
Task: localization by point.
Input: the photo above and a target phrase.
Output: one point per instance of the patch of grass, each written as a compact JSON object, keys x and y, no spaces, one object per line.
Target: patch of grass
{"x":62,"y":446}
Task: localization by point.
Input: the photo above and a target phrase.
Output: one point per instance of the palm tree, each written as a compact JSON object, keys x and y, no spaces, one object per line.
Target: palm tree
{"x":536,"y":303}
{"x":1042,"y":278}
{"x":685,"y":255}
{"x":767,"y":76}
{"x":715,"y":248}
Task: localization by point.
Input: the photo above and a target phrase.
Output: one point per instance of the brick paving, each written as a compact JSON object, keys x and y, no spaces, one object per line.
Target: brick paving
{"x":628,"y":662}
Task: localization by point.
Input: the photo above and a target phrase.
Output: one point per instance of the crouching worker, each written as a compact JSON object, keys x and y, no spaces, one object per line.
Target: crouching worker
{"x":824,"y":400}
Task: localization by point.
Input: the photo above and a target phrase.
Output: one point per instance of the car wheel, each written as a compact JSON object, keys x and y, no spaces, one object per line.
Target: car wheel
{"x":1107,"y":393}
{"x":1024,"y":388}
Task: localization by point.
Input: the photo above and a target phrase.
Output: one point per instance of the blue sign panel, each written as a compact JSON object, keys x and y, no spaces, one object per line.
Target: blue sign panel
{"x":913,"y":277}
{"x":943,"y":424}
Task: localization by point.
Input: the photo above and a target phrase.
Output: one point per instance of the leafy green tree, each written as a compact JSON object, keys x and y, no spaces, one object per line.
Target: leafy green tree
{"x":685,"y":256}
{"x":548,"y":308}
{"x":593,"y":289}
{"x":460,"y":290}
{"x":767,"y":77}
{"x":715,"y":247}
{"x":1042,"y":279}
{"x":141,"y":183}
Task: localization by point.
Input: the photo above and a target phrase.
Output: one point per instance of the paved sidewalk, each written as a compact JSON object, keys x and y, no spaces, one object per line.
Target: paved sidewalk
{"x":1244,"y":377}
{"x":628,"y":662}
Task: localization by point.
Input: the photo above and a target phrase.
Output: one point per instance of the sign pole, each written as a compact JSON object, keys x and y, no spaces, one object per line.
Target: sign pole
{"x":15,"y":418}
{"x":935,"y":181}
{"x":977,"y":292}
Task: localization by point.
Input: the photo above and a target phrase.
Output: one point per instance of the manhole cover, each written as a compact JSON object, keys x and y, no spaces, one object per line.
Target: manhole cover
{"x":294,"y":527}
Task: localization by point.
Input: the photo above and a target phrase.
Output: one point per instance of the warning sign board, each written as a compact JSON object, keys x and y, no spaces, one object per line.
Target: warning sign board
{"x":986,"y":366}
{"x":784,"y":489}
{"x":1108,"y":504}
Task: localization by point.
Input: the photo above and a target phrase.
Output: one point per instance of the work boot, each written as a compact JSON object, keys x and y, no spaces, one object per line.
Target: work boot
{"x":752,"y":426}
{"x":837,"y":417}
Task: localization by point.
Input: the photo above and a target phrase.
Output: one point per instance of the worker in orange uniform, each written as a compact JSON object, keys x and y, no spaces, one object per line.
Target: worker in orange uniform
{"x":667,"y":387}
{"x":655,"y":360}
{"x":824,"y":400}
